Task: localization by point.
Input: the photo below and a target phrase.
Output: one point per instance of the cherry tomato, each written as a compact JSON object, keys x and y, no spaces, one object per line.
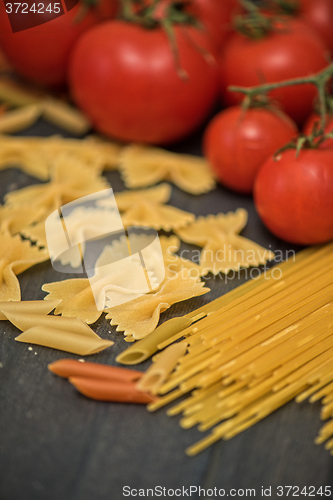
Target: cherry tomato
{"x":125,"y":78}
{"x":291,"y":51}
{"x":41,"y":52}
{"x":319,"y":15}
{"x":315,"y":118}
{"x":216,"y":16}
{"x":294,"y":196}
{"x":236,"y":143}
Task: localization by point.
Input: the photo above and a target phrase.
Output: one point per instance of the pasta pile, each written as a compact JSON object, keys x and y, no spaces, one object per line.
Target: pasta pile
{"x":259,"y":346}
{"x":73,"y":169}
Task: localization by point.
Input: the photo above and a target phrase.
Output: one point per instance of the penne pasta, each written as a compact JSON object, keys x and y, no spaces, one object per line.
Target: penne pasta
{"x":68,"y":368}
{"x":110,"y":390}
{"x":27,"y":307}
{"x":158,"y":372}
{"x":73,"y":325}
{"x":63,"y":340}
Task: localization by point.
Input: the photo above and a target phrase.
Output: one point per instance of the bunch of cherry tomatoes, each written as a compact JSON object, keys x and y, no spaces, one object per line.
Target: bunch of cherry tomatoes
{"x":156,"y":78}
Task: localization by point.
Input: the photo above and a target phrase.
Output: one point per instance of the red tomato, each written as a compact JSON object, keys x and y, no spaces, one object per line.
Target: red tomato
{"x":315,"y":118}
{"x":106,"y":9}
{"x":124,"y":77}
{"x":216,"y":17}
{"x":293,"y":51}
{"x":294,"y":196}
{"x":319,"y":15}
{"x":236,"y":145}
{"x":41,"y":53}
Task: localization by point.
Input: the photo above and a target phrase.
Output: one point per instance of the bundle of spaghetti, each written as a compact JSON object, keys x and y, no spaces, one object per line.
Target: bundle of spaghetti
{"x":272,"y":341}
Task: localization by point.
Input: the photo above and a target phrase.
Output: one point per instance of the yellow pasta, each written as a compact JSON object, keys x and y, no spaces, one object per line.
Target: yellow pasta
{"x":158,"y":195}
{"x":223,"y":249}
{"x":146,"y":347}
{"x":63,"y":340}
{"x":27,"y":306}
{"x":65,"y":116}
{"x":15,"y":257}
{"x":15,"y":219}
{"x":145,"y":208}
{"x":242,"y":366}
{"x":77,"y":299}
{"x":54,"y":110}
{"x":70,"y":180}
{"x":24,"y":321}
{"x":142,"y":166}
{"x":16,"y":95}
{"x":158,"y":372}
{"x":143,"y":315}
{"x":37,"y":155}
{"x":19,"y":119}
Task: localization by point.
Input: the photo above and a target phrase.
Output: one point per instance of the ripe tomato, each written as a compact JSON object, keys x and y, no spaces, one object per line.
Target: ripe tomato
{"x":292,"y":51}
{"x":124,"y":77}
{"x":315,"y":118}
{"x":215,"y":16}
{"x":41,"y":53}
{"x":319,"y":15}
{"x":237,"y":144}
{"x":294,"y":196}
{"x":106,"y":9}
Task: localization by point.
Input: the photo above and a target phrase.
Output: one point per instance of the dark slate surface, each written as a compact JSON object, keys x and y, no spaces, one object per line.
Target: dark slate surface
{"x":56,"y":444}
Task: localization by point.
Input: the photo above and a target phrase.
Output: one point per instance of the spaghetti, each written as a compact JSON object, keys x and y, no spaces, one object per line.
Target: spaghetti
{"x":259,"y":346}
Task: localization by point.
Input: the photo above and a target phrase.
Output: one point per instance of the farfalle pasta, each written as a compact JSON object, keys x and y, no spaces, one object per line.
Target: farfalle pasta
{"x":142,"y":166}
{"x":146,"y":208}
{"x":15,"y":257}
{"x":223,"y":248}
{"x":113,"y":280}
{"x":77,"y":299}
{"x":37,"y":155}
{"x":70,"y":180}
{"x":15,"y":219}
{"x":144,"y":314}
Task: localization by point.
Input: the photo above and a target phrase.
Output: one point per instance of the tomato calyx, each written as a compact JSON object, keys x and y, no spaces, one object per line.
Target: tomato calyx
{"x":285,"y":7}
{"x":259,"y":20}
{"x":166,"y":14}
{"x":312,"y":141}
{"x":254,"y":23}
{"x":154,"y":13}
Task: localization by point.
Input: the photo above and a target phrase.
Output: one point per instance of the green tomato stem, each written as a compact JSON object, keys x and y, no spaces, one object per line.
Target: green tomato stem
{"x":319,"y":80}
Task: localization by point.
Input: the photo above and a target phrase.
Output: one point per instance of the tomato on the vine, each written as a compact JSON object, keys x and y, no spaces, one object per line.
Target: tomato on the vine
{"x":293,"y":50}
{"x":41,"y":52}
{"x":294,"y":196}
{"x":319,"y":15}
{"x":236,"y":143}
{"x":125,"y":78}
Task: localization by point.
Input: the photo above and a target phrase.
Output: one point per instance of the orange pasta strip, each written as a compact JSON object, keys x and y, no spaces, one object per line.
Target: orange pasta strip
{"x":70,"y":368}
{"x":107,"y":390}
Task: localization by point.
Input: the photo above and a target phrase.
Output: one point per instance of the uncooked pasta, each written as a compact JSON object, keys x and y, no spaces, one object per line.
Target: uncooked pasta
{"x":261,"y":345}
